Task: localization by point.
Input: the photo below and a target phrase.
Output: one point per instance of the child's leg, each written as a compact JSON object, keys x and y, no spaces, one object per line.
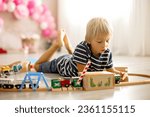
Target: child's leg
{"x":68,"y":45}
{"x":49,"y":53}
{"x":10,"y":65}
{"x":14,"y":63}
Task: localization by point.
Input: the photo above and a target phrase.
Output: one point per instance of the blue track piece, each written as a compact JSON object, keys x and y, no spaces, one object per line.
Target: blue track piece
{"x":32,"y":60}
{"x":39,"y":75}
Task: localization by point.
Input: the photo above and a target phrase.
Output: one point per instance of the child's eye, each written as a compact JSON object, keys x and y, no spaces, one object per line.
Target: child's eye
{"x":107,"y":41}
{"x":99,"y":42}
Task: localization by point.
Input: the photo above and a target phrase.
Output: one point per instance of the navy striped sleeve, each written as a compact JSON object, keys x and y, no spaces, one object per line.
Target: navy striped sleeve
{"x":80,"y":54}
{"x":110,"y":62}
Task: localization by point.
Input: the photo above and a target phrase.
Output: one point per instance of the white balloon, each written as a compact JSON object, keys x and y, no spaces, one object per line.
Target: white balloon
{"x":43,"y":25}
{"x":38,"y":2}
{"x":11,"y":6}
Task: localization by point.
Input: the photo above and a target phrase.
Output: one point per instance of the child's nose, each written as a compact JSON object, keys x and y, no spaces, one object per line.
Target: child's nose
{"x":104,"y":44}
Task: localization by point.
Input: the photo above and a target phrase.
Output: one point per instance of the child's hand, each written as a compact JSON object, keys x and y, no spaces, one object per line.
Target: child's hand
{"x":124,"y":76}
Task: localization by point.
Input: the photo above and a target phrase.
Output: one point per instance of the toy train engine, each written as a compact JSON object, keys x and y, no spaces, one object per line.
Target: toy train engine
{"x":5,"y":71}
{"x":11,"y":83}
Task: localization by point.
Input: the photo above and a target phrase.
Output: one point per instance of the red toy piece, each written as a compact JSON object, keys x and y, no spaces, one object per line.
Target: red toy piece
{"x":2,"y":51}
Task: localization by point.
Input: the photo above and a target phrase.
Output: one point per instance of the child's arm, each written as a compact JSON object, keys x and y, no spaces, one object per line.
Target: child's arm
{"x":123,"y":74}
{"x":80,"y":67}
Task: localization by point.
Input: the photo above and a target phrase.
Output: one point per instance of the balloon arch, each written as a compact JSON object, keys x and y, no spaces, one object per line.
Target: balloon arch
{"x":34,"y":9}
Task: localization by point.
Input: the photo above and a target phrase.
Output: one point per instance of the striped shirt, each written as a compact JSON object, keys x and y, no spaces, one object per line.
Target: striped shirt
{"x":67,"y":64}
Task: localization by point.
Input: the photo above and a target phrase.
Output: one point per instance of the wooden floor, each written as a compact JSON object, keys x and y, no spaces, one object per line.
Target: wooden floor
{"x":134,"y":64}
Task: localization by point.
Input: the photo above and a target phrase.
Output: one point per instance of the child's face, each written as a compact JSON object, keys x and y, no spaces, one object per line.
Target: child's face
{"x":99,"y":44}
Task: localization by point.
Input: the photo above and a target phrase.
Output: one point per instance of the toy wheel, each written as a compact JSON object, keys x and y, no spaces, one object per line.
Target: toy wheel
{"x":10,"y":86}
{"x":4,"y":87}
{"x":117,"y":82}
{"x":19,"y":86}
{"x":67,"y":85}
{"x":24,"y":86}
{"x":30,"y":86}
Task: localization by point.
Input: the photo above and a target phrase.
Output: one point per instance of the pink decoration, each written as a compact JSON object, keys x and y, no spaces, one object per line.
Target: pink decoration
{"x":5,"y":1}
{"x":44,"y":8}
{"x":17,"y":2}
{"x":31,"y":6}
{"x":11,"y":6}
{"x":3,"y":6}
{"x":21,"y":12}
{"x":35,"y":16}
{"x":46,"y":32}
{"x":38,"y":11}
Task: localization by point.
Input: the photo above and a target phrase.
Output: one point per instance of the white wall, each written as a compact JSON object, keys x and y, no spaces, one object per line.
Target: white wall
{"x":130,"y":20}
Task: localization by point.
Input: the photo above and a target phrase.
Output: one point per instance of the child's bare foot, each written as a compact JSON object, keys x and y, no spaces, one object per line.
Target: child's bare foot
{"x":68,"y":44}
{"x":60,"y":36}
{"x":62,"y":40}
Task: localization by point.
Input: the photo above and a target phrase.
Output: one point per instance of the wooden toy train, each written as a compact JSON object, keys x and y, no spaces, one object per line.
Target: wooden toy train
{"x":57,"y":84}
{"x":12,"y":83}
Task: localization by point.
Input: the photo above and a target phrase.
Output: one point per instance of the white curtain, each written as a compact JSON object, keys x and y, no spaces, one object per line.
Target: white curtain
{"x":130,"y":20}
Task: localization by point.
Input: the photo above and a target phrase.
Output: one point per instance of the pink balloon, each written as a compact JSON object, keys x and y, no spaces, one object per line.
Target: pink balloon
{"x":31,"y":6}
{"x":5,"y":1}
{"x":21,"y":11}
{"x":35,"y":13}
{"x":45,"y":8}
{"x":3,"y":6}
{"x":46,"y":32}
{"x":35,"y":16}
{"x":17,"y":2}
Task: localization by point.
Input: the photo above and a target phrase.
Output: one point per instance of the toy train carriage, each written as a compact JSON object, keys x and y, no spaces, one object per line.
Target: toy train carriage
{"x":6,"y":83}
{"x":11,"y":83}
{"x":100,"y":80}
{"x":59,"y":83}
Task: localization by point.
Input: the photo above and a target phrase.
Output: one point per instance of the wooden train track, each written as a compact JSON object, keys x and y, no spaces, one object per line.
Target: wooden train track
{"x":23,"y":90}
{"x":116,"y":85}
{"x":141,"y":75}
{"x":135,"y":82}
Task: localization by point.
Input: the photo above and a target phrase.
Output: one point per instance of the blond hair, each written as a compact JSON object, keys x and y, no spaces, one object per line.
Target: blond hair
{"x":96,"y":27}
